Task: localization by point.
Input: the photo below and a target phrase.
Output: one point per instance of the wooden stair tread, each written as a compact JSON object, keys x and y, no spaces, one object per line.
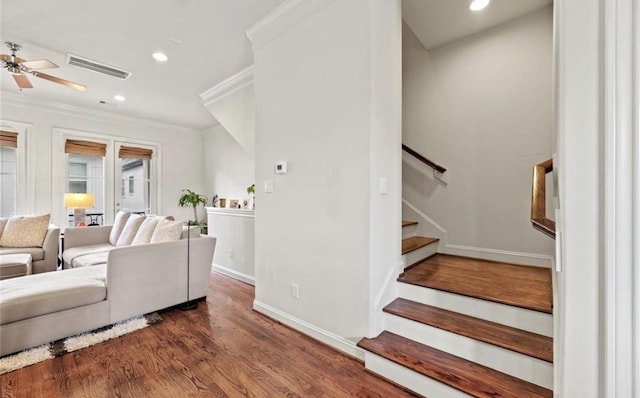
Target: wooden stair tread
{"x":468,"y":377}
{"x":415,"y":243}
{"x":521,"y":286}
{"x":527,"y":343}
{"x":408,"y":223}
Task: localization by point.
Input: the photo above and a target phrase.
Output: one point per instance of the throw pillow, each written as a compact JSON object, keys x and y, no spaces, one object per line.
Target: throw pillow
{"x":118,"y":226}
{"x":130,"y":229}
{"x":145,"y":232}
{"x":167,"y":230}
{"x":25,"y":231}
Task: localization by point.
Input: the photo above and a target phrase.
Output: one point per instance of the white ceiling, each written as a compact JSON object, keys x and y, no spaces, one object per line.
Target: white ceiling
{"x":214,"y":46}
{"x":125,"y":34}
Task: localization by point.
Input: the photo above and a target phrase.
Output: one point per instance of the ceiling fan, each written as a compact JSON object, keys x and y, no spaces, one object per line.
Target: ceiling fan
{"x":20,"y":68}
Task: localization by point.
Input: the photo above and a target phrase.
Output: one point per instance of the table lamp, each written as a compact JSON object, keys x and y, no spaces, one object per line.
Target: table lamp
{"x":79,"y":202}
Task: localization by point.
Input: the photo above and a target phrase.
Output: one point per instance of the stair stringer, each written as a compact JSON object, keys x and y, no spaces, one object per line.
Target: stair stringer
{"x":388,"y":293}
{"x":429,"y":227}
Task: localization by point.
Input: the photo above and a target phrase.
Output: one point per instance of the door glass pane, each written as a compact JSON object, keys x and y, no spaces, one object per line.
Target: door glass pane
{"x":135,"y":185}
{"x":86,"y":175}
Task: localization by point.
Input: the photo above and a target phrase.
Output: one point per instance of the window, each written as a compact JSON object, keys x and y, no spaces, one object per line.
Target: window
{"x":8,"y":172}
{"x":77,"y":175}
{"x":131,"y":186}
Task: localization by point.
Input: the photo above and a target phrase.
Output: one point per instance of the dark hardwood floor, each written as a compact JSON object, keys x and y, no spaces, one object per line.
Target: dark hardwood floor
{"x":221,"y":349}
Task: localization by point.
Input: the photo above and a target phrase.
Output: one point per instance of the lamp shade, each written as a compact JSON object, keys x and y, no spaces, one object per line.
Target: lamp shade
{"x":79,"y":200}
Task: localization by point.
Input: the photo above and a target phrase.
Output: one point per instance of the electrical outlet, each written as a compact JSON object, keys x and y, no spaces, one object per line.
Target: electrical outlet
{"x":295,"y":292}
{"x":230,"y":253}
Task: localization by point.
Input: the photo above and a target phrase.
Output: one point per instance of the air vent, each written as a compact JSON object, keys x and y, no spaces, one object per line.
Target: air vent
{"x":96,"y":66}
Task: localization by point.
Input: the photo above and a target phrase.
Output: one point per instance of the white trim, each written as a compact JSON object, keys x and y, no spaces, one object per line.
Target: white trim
{"x":283,"y":18}
{"x":386,"y":294}
{"x":324,"y":336}
{"x":25,"y":167}
{"x":505,"y":256}
{"x":74,"y":111}
{"x":619,"y":107}
{"x":224,"y":211}
{"x":228,"y":86}
{"x":636,"y":196}
{"x":248,"y":279}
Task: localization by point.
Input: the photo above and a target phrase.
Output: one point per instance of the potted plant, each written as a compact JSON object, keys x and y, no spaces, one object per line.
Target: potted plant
{"x":251,"y":190}
{"x":190,"y":198}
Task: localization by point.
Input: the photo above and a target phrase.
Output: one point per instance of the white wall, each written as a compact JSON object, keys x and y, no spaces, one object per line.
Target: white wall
{"x":318,"y":87}
{"x":481,"y":106}
{"x":236,"y":112}
{"x":234,"y":254}
{"x":181,"y":165}
{"x":228,"y":168}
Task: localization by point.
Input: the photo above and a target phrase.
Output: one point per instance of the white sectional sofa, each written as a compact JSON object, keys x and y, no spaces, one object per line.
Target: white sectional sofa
{"x":133,"y":280}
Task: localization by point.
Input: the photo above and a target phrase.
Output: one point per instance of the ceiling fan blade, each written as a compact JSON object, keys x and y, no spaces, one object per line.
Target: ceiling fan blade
{"x":5,"y":57}
{"x":54,"y":79}
{"x":39,"y":64}
{"x":22,"y":81}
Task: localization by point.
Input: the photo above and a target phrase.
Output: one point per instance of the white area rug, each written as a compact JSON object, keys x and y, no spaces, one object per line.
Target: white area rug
{"x":54,"y":349}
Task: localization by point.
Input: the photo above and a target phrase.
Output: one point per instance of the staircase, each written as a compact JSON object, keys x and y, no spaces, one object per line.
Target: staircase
{"x":465,"y":327}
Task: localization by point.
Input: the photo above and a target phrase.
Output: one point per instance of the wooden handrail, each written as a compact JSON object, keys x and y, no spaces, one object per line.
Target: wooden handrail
{"x":424,"y":160}
{"x":539,"y":218}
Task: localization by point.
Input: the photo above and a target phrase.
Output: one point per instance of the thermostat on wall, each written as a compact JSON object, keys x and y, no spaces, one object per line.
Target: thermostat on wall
{"x":281,"y":167}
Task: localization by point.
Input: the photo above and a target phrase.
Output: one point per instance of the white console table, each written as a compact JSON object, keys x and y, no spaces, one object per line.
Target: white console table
{"x":234,"y":230}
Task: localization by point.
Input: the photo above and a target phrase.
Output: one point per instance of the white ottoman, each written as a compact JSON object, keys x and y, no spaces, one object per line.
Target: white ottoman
{"x":12,"y":265}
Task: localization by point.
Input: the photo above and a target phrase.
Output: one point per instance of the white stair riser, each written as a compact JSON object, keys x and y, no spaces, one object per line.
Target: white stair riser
{"x":409,"y":379}
{"x":520,"y":318}
{"x":506,"y":361}
{"x":420,"y":254}
{"x":409,"y":231}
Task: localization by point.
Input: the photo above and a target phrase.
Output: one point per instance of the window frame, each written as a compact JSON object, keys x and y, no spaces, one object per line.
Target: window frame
{"x":25,"y":177}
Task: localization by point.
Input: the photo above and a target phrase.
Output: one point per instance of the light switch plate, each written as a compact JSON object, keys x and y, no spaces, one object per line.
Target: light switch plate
{"x":384,"y":185}
{"x":268,"y":186}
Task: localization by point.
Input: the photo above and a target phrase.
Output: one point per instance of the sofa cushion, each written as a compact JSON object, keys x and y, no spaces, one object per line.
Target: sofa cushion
{"x":145,"y":232}
{"x":89,"y":260}
{"x":118,"y":225}
{"x":39,"y":294}
{"x":3,"y":223}
{"x":166,"y":231}
{"x":25,"y":231}
{"x":70,"y":254}
{"x":130,"y":229}
{"x":37,"y":253}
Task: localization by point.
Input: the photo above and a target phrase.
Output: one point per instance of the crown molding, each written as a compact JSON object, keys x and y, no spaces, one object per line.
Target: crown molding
{"x":75,"y":111}
{"x":228,"y":86}
{"x":283,"y":18}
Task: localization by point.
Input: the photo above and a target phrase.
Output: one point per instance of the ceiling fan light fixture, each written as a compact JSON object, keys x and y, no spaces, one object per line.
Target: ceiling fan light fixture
{"x":477,"y":5}
{"x":120,"y":98}
{"x":160,"y":57}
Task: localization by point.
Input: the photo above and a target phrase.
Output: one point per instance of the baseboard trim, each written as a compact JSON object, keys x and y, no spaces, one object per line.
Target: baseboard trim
{"x":323,"y":336}
{"x":505,"y":256}
{"x":234,"y":274}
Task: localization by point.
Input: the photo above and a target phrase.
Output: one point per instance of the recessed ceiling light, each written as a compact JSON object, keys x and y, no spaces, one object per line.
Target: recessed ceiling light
{"x":477,"y":5}
{"x":119,"y":97}
{"x":160,"y":57}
